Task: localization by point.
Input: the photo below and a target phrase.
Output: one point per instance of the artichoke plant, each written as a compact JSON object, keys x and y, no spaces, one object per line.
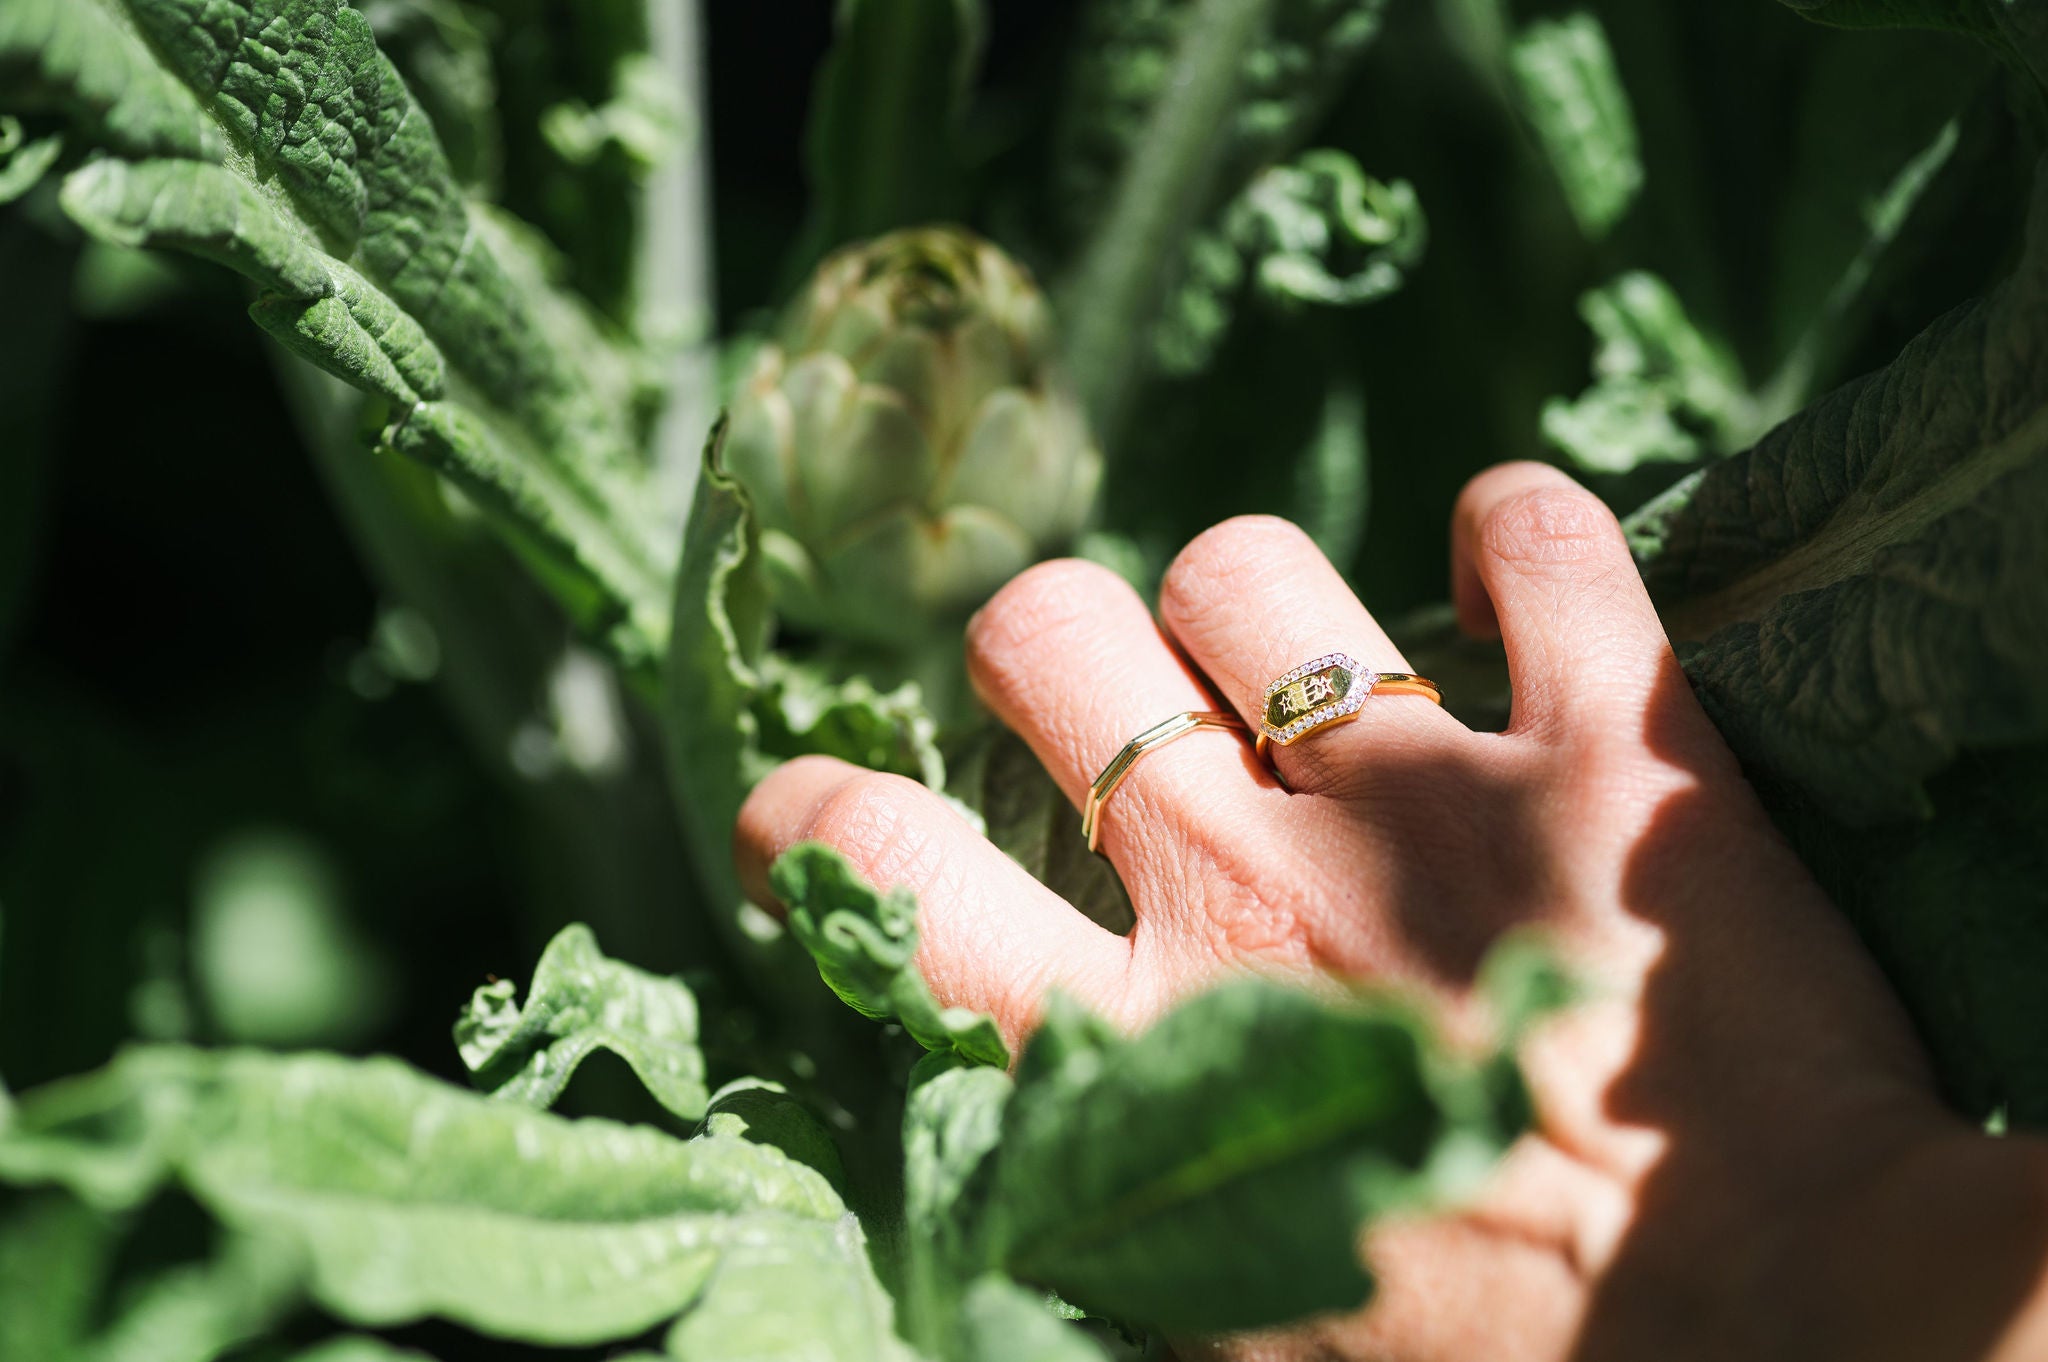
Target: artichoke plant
{"x":904,"y":438}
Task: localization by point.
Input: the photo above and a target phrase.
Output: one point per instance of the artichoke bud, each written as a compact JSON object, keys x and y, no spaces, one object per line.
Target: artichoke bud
{"x":904,"y":440}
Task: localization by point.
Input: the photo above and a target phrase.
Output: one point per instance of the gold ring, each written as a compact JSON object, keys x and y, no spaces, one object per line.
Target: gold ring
{"x":1159,"y":735}
{"x":1328,"y":691}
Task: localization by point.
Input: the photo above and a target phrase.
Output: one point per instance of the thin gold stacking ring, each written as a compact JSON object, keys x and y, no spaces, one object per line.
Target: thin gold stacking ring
{"x":1325,"y":692}
{"x":1159,"y":735}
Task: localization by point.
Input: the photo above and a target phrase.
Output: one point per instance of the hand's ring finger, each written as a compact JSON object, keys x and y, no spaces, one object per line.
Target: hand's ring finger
{"x":1258,"y":608}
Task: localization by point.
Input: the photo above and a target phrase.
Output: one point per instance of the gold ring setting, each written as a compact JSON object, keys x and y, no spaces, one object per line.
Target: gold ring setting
{"x":1157,"y":736}
{"x":1328,"y":691}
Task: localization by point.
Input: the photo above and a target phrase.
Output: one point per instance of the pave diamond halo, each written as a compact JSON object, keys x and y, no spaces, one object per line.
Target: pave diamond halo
{"x":1316,"y":693}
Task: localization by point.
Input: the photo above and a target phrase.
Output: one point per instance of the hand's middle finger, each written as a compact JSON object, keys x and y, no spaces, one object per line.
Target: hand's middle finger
{"x":1253,"y":598}
{"x":1070,"y":658}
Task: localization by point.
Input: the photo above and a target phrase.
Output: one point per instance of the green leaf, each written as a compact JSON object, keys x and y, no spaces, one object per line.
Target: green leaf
{"x":1333,"y":480}
{"x":865,"y":944}
{"x":1002,"y":1322}
{"x":798,"y":1296}
{"x":1572,"y":95}
{"x":1859,"y":594}
{"x":54,"y":1255}
{"x":1317,"y":231}
{"x":105,"y":1136}
{"x":883,"y":144}
{"x":719,"y":634}
{"x":200,"y":1311}
{"x":951,"y":1125}
{"x":81,"y":62}
{"x":1664,"y":391}
{"x":1214,"y":1172}
{"x":273,"y":949}
{"x":763,"y":1111}
{"x":1171,"y":110}
{"x":1955,"y":908}
{"x":24,"y":159}
{"x":444,"y":53}
{"x":802,"y":709}
{"x":405,"y":1197}
{"x":582,"y":1001}
{"x":273,"y":136}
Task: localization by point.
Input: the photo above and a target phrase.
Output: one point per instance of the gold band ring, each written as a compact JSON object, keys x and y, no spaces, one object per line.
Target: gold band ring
{"x":1159,"y":735}
{"x":1328,"y":691}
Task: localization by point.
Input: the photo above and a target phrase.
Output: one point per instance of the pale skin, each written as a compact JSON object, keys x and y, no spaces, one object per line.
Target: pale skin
{"x":1739,"y":1151}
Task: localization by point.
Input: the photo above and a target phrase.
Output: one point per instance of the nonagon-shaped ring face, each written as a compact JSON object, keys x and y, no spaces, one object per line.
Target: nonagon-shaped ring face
{"x":1326,"y":691}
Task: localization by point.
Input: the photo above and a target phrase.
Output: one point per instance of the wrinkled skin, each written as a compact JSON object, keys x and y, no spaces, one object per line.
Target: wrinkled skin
{"x":1738,"y":1152}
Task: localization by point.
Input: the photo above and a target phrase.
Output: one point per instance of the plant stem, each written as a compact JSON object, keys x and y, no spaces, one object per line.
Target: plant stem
{"x":675,"y":263}
{"x":1115,"y":291}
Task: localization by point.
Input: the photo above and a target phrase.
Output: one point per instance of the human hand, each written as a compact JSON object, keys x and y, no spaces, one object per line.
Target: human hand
{"x":1737,"y":1149}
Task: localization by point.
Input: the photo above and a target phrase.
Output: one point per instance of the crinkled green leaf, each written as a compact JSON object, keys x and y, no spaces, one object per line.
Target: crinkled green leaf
{"x":1214,"y":1172}
{"x":1572,"y":95}
{"x":24,"y":157}
{"x":309,"y":159}
{"x":443,"y":51}
{"x":764,"y":1112}
{"x":808,"y":1296}
{"x":951,"y":1125}
{"x":54,"y":1255}
{"x":865,"y":944}
{"x":802,"y":709}
{"x":1861,"y":602}
{"x":107,"y":1136}
{"x":582,"y":1001}
{"x":1317,"y":231}
{"x":1663,"y":391}
{"x":194,"y":206}
{"x":1171,"y":109}
{"x":197,"y":1312}
{"x":80,"y":60}
{"x":1861,"y":595}
{"x":1002,"y":1322}
{"x":641,"y":123}
{"x":883,"y":142}
{"x":1123,"y":62}
{"x":405,"y":1197}
{"x":719,"y":635}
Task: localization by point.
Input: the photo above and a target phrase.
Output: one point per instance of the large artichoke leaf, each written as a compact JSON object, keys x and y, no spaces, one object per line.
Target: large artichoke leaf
{"x":1214,"y":1172}
{"x":401,"y":1197}
{"x":733,"y":711}
{"x":582,"y":1001}
{"x":1861,"y":601}
{"x":273,"y":136}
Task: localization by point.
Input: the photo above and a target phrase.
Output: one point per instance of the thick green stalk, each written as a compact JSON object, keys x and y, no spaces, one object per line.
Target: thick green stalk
{"x":1116,"y":290}
{"x":676,"y":263}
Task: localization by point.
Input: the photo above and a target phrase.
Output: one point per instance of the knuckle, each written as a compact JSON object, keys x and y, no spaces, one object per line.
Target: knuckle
{"x":1217,"y":562}
{"x":1038,"y":600}
{"x":1548,"y":528}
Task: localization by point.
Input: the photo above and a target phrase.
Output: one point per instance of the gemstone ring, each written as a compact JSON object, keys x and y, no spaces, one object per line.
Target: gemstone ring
{"x":1328,"y":691}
